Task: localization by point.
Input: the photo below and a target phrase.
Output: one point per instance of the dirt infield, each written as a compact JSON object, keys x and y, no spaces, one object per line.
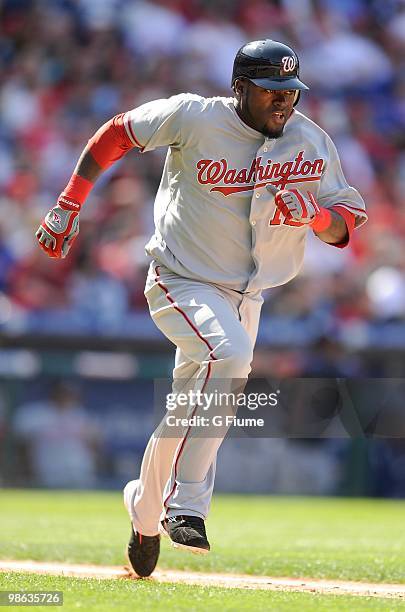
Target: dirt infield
{"x":231,"y":581}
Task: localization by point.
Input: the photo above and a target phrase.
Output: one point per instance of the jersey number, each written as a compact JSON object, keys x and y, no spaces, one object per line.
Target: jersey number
{"x":278,"y":219}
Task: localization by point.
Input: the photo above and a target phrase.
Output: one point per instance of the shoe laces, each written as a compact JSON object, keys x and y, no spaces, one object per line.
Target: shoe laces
{"x":194,"y":522}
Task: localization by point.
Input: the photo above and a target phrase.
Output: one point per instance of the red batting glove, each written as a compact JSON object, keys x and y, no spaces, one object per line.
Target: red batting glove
{"x":294,"y":207}
{"x":59,"y":228}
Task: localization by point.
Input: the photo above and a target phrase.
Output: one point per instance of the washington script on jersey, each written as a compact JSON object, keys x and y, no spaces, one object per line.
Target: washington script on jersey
{"x":212,"y":172}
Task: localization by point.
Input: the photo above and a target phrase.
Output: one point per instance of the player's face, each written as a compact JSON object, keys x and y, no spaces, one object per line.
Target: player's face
{"x":262,"y":109}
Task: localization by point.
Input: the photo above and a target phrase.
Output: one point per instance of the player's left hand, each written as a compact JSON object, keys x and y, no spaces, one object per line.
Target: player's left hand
{"x":294,"y":206}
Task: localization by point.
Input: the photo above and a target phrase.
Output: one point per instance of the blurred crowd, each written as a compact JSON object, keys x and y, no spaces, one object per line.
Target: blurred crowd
{"x":81,"y":434}
{"x":67,"y":66}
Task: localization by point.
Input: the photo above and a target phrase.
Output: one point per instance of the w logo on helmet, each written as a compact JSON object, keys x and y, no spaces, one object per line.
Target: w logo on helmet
{"x":289,"y":63}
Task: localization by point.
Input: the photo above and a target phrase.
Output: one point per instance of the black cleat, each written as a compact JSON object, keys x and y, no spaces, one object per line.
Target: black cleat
{"x":187,"y":532}
{"x":143,"y":553}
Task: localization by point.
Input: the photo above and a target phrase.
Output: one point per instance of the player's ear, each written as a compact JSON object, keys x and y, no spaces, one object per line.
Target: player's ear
{"x":239,"y":87}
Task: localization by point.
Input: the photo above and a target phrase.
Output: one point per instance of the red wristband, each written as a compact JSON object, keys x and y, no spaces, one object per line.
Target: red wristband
{"x":78,"y":188}
{"x":322,"y":221}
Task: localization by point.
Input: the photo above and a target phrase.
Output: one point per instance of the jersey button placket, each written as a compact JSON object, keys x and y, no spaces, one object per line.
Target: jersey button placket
{"x":255,"y":212}
{"x":253,"y":223}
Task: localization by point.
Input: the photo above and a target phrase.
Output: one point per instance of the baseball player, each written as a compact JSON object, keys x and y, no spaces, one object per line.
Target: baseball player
{"x":245,"y":180}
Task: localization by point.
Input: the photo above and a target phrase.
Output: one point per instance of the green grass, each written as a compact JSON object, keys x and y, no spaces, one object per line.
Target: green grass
{"x":350,"y":539}
{"x":123,"y":595}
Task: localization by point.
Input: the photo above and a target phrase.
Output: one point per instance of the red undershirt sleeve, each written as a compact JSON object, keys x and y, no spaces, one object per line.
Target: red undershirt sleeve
{"x":110,"y":142}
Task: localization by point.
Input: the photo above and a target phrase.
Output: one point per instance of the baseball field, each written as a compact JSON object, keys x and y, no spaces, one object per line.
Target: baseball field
{"x":316,"y":553}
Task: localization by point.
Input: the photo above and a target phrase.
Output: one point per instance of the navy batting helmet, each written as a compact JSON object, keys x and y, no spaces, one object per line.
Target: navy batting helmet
{"x":268,"y":64}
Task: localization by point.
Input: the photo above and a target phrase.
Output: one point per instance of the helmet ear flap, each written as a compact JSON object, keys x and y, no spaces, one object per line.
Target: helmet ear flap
{"x":297,"y":97}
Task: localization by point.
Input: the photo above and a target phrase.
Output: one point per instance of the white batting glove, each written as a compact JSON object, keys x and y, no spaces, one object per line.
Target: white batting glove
{"x":294,"y":206}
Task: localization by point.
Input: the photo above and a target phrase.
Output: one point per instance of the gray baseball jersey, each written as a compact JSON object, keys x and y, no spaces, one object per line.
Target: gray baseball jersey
{"x":215,"y":220}
{"x":219,"y":241}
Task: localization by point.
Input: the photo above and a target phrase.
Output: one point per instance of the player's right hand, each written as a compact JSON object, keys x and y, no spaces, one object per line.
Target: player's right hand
{"x":59,"y":228}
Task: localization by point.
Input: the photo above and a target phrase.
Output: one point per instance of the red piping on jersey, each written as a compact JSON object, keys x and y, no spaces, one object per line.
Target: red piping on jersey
{"x":176,"y":307}
{"x":180,"y":450}
{"x":213,"y":358}
{"x":344,"y":205}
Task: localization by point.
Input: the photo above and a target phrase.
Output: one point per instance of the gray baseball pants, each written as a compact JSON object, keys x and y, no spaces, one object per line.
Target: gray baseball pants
{"x":214,"y":330}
